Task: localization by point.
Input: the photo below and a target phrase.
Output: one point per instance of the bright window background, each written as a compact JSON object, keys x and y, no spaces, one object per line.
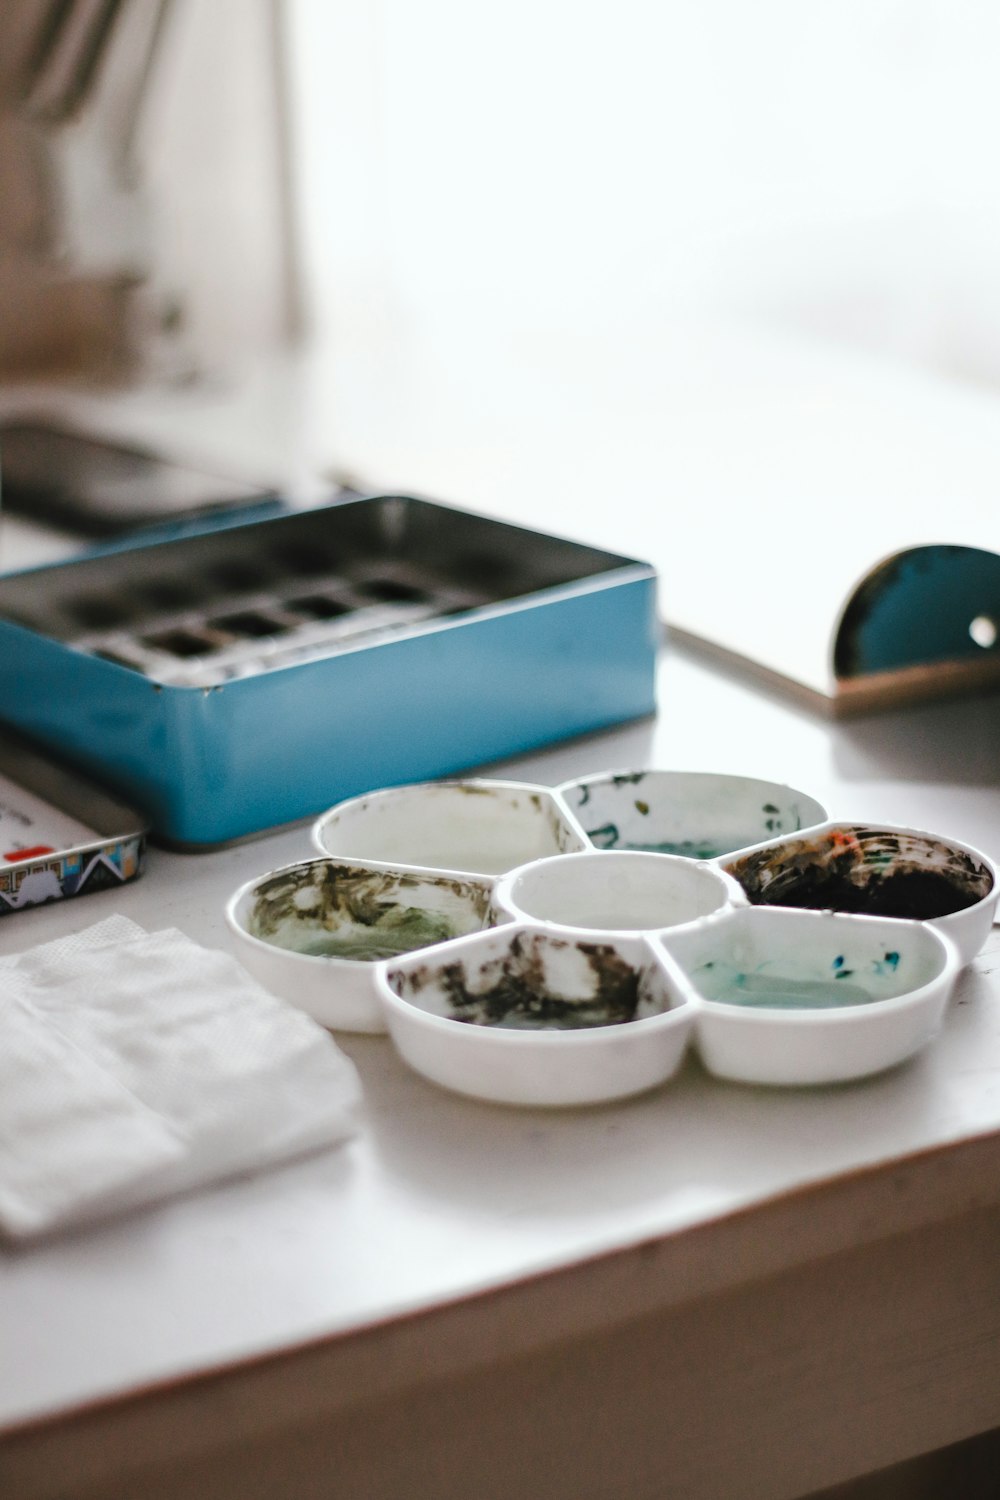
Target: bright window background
{"x":712,"y":283}
{"x":543,"y":164}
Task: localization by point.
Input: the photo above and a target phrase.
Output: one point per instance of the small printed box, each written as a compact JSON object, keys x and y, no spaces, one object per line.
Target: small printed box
{"x":59,"y":834}
{"x":249,"y":677}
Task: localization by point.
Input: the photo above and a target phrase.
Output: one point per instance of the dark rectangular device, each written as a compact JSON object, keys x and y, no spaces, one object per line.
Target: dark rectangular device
{"x":63,"y":477}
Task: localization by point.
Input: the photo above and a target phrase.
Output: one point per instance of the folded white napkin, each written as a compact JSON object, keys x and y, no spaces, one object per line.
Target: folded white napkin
{"x":135,"y":1064}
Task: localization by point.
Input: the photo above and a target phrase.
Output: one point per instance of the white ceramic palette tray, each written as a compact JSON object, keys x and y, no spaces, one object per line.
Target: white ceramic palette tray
{"x":564,"y":946}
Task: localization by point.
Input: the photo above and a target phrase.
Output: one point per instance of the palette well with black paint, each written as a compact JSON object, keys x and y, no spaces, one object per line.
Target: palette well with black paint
{"x":875,"y":871}
{"x":529,"y":1016}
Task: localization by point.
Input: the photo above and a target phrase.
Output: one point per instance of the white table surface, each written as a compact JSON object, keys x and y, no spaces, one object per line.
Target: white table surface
{"x":438,"y":1197}
{"x":745,"y":1220}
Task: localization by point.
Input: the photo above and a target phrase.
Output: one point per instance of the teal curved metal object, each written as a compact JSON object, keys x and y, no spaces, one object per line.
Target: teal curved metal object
{"x":925,"y":606}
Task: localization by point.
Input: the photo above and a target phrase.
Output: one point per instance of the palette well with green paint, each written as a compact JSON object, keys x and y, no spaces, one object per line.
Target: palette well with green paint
{"x":314,"y":932}
{"x":553,"y":946}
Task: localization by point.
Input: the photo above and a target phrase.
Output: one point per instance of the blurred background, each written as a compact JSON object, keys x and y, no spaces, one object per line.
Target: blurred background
{"x":822,"y":168}
{"x":614,"y":272}
{"x":235,"y":175}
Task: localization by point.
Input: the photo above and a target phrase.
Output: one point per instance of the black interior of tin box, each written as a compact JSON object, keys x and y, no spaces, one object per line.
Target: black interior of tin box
{"x":239,"y":597}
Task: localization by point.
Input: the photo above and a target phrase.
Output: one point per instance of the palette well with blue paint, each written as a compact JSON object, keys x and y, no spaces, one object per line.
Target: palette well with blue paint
{"x":586,"y":933}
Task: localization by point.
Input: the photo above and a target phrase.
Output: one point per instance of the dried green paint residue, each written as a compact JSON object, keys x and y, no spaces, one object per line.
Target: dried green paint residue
{"x":401,"y":929}
{"x":364,"y":916}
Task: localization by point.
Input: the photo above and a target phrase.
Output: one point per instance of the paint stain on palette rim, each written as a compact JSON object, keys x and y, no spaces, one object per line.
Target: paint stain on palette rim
{"x":866,"y":871}
{"x":608,"y":837}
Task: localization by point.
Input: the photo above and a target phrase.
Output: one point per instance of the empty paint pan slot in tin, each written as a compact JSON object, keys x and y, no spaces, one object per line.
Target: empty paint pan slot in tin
{"x":319,"y":606}
{"x":251,"y":624}
{"x":392,"y":591}
{"x":185,"y":642}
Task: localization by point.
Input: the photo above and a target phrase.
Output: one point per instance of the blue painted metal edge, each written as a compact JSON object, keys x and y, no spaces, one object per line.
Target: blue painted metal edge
{"x":209,"y":765}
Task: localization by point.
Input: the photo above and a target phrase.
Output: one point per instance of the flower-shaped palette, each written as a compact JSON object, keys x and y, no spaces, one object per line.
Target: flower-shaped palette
{"x":562,"y":946}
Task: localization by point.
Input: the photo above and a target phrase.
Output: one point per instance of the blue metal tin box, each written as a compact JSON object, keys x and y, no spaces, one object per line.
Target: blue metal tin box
{"x":250,"y":677}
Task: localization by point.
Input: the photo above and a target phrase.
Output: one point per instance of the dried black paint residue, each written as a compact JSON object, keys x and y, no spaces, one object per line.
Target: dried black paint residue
{"x":519,"y":995}
{"x":918,"y":894}
{"x":865,"y":871}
